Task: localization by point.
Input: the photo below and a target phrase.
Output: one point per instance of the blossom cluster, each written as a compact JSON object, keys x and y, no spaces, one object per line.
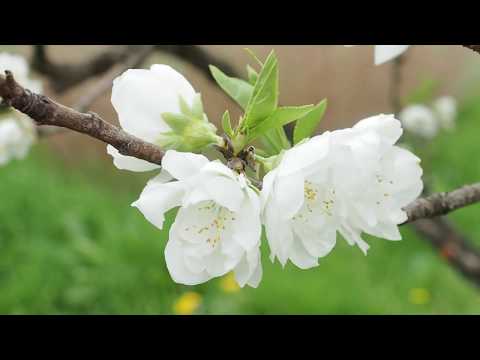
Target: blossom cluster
{"x":17,"y":131}
{"x":345,"y":182}
{"x":426,"y":121}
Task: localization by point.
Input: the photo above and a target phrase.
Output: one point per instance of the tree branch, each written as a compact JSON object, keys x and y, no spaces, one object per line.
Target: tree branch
{"x":65,"y":76}
{"x":475,"y":48}
{"x":443,"y":203}
{"x":47,"y":112}
{"x":452,"y":246}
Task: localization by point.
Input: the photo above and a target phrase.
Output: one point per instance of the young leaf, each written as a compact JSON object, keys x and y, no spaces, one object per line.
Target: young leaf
{"x":226,"y":124}
{"x":280,"y":117}
{"x":238,"y":89}
{"x":264,"y":99}
{"x":252,"y":54}
{"x":178,"y":122}
{"x":252,"y":75}
{"x":275,"y":141}
{"x":307,"y":124}
{"x":184,"y":107}
{"x":197,"y":107}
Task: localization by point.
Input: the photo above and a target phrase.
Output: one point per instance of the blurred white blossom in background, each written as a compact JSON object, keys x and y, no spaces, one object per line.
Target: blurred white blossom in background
{"x":426,"y":121}
{"x":17,"y":131}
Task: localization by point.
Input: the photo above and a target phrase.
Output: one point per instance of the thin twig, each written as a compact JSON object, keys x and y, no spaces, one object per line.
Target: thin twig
{"x":443,"y":203}
{"x":475,"y":48}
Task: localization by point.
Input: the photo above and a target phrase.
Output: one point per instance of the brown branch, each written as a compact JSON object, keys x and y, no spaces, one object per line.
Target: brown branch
{"x":45,"y":111}
{"x":475,"y":48}
{"x":452,"y":246}
{"x":443,"y":203}
{"x":65,"y":76}
{"x":102,"y":86}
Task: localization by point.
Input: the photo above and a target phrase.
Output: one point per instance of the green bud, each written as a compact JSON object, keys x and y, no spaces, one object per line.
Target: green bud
{"x":190,"y":130}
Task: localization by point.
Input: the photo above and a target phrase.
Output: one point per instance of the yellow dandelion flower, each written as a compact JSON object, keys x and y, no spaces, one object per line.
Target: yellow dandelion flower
{"x":228,"y":284}
{"x":187,"y":304}
{"x":419,"y":296}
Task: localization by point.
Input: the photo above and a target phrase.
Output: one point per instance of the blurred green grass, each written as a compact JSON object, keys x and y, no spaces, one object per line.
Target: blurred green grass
{"x":71,"y":244}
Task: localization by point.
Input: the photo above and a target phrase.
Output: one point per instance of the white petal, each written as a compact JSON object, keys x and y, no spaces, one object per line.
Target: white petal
{"x":268,"y":181}
{"x":305,"y":155}
{"x":174,"y":257}
{"x":218,"y":265}
{"x":386,"y":126}
{"x":301,"y":257}
{"x":353,"y":237}
{"x":249,"y":269}
{"x":140,"y":97}
{"x":281,"y":236}
{"x":157,"y":198}
{"x":289,"y":194}
{"x":384,"y":53}
{"x":247,"y":226}
{"x":385,"y":230}
{"x":224,"y":191}
{"x":182,"y":165}
{"x":318,"y":243}
{"x":123,"y":162}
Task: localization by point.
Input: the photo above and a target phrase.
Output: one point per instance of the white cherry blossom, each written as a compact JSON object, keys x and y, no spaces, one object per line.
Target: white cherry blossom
{"x":445,"y":108}
{"x":141,"y":99}
{"x":17,"y":131}
{"x":217,"y":228}
{"x":420,"y":120}
{"x":17,"y":134}
{"x":20,"y":69}
{"x":347,"y":181}
{"x":385,"y":53}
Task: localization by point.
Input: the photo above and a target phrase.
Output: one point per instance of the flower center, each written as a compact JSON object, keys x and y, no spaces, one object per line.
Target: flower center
{"x":385,"y":186}
{"x":317,"y":201}
{"x":211,"y":223}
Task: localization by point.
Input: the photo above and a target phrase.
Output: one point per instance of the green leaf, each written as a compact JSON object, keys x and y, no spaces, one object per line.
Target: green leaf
{"x":238,"y":89}
{"x":306,"y":125}
{"x":280,"y":117}
{"x":178,"y":122}
{"x":254,"y":56}
{"x":197,"y":107}
{"x":184,"y":107}
{"x":226,"y":124}
{"x":252,"y":75}
{"x":264,"y":99}
{"x":275,"y":139}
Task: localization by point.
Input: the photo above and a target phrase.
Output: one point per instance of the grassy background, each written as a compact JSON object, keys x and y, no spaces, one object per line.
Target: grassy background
{"x":70,"y":244}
